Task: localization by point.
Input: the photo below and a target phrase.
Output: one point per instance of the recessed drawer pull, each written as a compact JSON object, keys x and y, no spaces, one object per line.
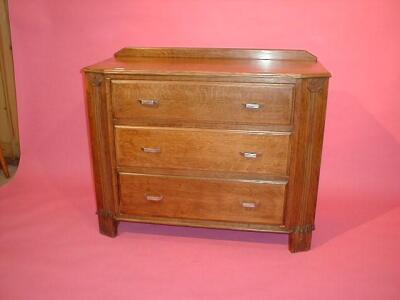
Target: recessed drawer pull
{"x":149,"y":102}
{"x":151,"y":150}
{"x":252,"y":106}
{"x":249,"y":204}
{"x":250,"y":154}
{"x":154,"y":198}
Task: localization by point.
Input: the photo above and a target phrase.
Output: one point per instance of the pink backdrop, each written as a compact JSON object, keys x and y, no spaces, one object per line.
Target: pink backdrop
{"x":49,"y":244}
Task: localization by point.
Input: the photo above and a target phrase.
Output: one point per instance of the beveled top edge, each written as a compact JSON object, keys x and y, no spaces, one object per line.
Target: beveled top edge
{"x":221,"y":53}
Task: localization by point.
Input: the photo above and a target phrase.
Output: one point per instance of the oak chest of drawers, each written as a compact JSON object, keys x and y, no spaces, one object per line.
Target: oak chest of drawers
{"x":219,"y":138}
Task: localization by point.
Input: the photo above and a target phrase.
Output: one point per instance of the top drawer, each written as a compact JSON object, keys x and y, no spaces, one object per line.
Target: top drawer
{"x":187,"y":101}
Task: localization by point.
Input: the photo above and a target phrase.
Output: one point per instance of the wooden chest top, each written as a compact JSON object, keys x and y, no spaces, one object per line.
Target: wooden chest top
{"x":217,"y":62}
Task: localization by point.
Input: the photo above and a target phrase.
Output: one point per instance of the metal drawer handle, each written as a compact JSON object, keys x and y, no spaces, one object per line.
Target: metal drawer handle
{"x":249,"y":204}
{"x":154,"y":198}
{"x":151,"y":150}
{"x":252,"y":106}
{"x":250,"y":154}
{"x":149,"y":102}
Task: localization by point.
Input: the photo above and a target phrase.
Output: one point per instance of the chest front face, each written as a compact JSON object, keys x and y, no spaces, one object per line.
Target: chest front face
{"x":207,"y":143}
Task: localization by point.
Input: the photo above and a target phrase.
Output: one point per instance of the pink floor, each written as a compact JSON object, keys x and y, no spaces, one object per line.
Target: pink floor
{"x":50,"y":247}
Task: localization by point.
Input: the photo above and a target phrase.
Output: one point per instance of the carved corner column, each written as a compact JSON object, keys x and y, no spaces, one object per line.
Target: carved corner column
{"x":98,"y":123}
{"x":306,"y":156}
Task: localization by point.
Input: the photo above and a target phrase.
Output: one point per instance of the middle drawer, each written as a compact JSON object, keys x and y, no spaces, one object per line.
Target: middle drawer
{"x":203,"y":149}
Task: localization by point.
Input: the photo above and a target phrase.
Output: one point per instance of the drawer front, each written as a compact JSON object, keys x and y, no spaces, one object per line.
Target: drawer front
{"x":173,"y":101}
{"x":202,"y":199}
{"x":196,"y":149}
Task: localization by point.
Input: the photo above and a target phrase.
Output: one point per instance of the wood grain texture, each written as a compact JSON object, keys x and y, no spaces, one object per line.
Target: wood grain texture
{"x":212,"y":62}
{"x":9,"y":133}
{"x":204,"y":223}
{"x":189,"y":160}
{"x":240,"y":176}
{"x":3,"y":164}
{"x":100,"y":146}
{"x":306,"y":160}
{"x":200,"y":149}
{"x":140,"y":122}
{"x":210,"y":67}
{"x":201,"y":198}
{"x":197,"y":77}
{"x":191,"y":102}
{"x":225,"y":53}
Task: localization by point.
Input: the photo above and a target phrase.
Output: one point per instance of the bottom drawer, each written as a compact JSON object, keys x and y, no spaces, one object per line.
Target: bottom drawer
{"x":202,"y":198}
